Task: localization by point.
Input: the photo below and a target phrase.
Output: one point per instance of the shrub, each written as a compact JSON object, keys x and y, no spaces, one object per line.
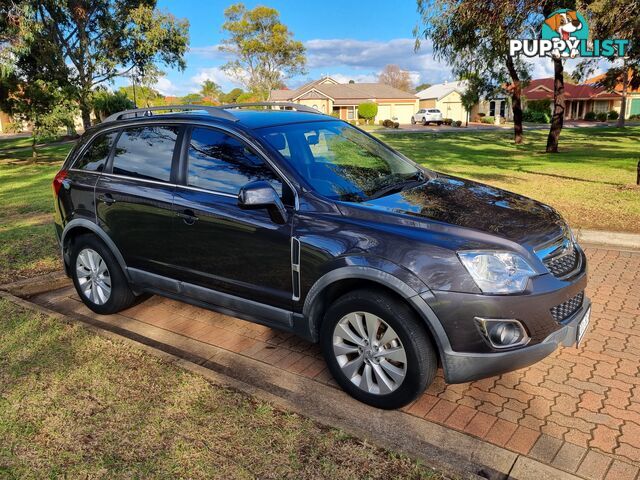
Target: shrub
{"x":535,"y":116}
{"x":447,"y":121}
{"x":481,"y":114}
{"x":487,"y":119}
{"x":353,"y":122}
{"x":539,"y":105}
{"x":335,"y":114}
{"x":106,"y":103}
{"x":368,"y":110}
{"x":457,"y":123}
{"x":613,"y":115}
{"x":396,"y":124}
{"x":361,"y":121}
{"x":590,"y":116}
{"x":388,"y":123}
{"x":601,"y":117}
{"x":635,"y":116}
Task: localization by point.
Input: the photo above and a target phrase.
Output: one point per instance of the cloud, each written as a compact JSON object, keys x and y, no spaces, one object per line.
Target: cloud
{"x":371,"y":57}
{"x":167,"y":87}
{"x":215,"y":74}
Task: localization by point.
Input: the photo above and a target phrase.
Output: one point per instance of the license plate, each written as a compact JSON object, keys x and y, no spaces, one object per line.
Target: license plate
{"x":582,"y":326}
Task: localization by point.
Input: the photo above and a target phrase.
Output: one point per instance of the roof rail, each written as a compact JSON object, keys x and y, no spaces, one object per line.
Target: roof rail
{"x":146,"y":112}
{"x":286,"y":105}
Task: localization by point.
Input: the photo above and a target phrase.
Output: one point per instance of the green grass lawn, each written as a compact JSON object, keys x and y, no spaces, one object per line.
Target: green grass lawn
{"x":75,"y":405}
{"x":591,"y":182}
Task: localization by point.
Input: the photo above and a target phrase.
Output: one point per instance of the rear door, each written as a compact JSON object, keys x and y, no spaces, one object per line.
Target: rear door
{"x":219,"y":245}
{"x":134,"y":196}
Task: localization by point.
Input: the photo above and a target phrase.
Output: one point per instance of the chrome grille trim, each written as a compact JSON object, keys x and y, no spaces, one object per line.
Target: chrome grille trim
{"x":561,"y":257}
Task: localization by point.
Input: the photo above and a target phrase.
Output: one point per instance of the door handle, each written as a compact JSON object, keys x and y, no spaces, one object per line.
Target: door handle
{"x":106,"y":198}
{"x":188,"y":216}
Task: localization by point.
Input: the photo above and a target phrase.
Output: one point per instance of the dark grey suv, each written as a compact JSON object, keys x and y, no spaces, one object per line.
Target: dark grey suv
{"x":299,"y":221}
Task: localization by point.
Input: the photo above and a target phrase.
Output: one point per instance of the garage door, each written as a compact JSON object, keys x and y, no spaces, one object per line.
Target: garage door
{"x":635,"y":107}
{"x":384,"y":113}
{"x":403,"y":112}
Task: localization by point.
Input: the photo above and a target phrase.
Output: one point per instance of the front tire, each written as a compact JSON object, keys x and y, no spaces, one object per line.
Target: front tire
{"x":97,"y":276}
{"x":377,"y":350}
{"x":424,"y":122}
{"x":413,"y":121}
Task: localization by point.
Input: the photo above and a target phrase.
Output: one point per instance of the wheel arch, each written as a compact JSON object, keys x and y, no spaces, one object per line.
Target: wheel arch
{"x":81,"y":226}
{"x":342,"y":280}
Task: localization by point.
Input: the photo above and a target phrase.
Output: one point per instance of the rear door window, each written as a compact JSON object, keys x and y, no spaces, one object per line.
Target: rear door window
{"x":146,"y":152}
{"x":95,"y":157}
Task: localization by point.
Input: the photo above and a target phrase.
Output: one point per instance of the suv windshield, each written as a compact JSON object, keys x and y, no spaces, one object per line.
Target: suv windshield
{"x":340,"y":162}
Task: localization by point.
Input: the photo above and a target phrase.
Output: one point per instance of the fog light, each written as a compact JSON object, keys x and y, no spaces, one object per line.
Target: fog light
{"x":503,"y":333}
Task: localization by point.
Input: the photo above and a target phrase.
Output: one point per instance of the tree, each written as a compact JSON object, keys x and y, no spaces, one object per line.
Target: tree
{"x":616,"y":20}
{"x":392,"y":75}
{"x":471,"y":95}
{"x":191,"y":98}
{"x":368,"y":110}
{"x":231,"y":96}
{"x":99,"y":40}
{"x":472,"y":37}
{"x":263,"y":49}
{"x":44,"y":105}
{"x":106,"y":103}
{"x":211,"y":89}
{"x":144,"y":95}
{"x":422,"y":86}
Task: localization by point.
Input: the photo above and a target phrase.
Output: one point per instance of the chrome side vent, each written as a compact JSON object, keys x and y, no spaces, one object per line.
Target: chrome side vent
{"x":295,"y":268}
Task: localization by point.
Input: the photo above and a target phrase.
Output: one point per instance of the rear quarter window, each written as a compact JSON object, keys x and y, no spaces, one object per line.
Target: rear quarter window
{"x":95,"y":156}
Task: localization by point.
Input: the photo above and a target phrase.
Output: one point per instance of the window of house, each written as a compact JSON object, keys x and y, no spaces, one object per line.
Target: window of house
{"x":351,"y":113}
{"x":601,"y":106}
{"x":222,"y":163}
{"x":492,"y":108}
{"x":96,"y":155}
{"x":146,"y":152}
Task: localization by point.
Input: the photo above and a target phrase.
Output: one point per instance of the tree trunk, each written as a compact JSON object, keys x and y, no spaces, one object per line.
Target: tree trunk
{"x":623,"y":103}
{"x":559,"y":104}
{"x":516,"y":101}
{"x":86,"y":115}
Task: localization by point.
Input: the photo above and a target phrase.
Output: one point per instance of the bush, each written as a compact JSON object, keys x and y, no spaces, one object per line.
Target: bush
{"x":381,"y":122}
{"x":539,"y":105}
{"x":447,"y":121}
{"x":601,"y":117}
{"x":613,"y":115}
{"x":361,"y":121}
{"x":487,"y":119}
{"x":368,"y":110}
{"x":590,"y":116}
{"x":635,"y":116}
{"x":457,"y":123}
{"x":106,"y":103}
{"x":353,"y":122}
{"x":335,"y":114}
{"x":535,"y":116}
{"x":481,"y":114}
{"x":388,"y":123}
{"x":396,"y":124}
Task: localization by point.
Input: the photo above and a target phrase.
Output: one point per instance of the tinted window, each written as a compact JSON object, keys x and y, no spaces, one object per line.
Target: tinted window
{"x":145,"y":152}
{"x":222,"y":163}
{"x":96,"y":155}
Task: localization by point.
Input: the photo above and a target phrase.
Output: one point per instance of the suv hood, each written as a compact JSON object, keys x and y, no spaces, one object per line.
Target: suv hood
{"x":477,"y":206}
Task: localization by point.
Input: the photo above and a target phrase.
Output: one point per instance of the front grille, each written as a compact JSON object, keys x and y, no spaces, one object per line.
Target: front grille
{"x":566,"y":309}
{"x":564,"y":263}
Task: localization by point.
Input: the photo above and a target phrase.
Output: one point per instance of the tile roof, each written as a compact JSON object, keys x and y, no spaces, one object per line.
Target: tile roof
{"x":542,"y":88}
{"x":342,"y":93}
{"x":619,"y":86}
{"x":441,"y":90}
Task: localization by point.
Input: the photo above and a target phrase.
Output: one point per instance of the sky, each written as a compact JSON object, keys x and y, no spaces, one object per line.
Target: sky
{"x":345,"y":39}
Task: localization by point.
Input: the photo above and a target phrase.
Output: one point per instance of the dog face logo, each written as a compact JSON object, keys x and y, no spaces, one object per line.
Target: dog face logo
{"x":564,"y":23}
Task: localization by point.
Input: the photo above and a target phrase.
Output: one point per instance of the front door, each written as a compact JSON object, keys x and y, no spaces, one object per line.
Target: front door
{"x":219,"y":245}
{"x":134,"y":197}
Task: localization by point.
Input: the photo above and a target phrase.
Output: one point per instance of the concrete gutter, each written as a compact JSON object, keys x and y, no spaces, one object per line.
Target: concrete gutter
{"x":609,"y":239}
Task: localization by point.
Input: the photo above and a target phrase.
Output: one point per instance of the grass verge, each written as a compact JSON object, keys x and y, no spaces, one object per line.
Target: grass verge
{"x":76,"y":405}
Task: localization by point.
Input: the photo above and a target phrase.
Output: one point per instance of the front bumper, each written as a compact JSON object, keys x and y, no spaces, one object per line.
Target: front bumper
{"x":460,"y":367}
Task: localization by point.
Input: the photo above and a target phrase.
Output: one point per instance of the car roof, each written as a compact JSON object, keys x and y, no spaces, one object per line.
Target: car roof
{"x":247,"y":118}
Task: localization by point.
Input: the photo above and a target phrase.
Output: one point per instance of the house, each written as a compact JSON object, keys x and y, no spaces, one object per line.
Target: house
{"x":633,"y":95}
{"x":580,"y":98}
{"x":446,"y":97}
{"x":342,"y":99}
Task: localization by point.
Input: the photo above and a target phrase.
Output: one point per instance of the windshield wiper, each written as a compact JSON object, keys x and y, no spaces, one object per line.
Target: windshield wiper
{"x":398,"y":187}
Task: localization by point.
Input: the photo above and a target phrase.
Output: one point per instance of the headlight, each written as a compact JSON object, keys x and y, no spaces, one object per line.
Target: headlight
{"x":497,"y":272}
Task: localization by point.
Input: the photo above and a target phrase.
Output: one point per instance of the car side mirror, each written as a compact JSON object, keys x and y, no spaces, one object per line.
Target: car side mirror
{"x":261,"y":194}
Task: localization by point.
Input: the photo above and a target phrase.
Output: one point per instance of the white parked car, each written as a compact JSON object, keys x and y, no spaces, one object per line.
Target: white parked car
{"x":427,"y":116}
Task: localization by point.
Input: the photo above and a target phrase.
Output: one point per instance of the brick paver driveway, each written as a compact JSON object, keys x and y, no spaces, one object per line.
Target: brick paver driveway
{"x":578,"y":410}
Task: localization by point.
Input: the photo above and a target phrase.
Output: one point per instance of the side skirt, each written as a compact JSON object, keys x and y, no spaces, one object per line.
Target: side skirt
{"x":220,"y":302}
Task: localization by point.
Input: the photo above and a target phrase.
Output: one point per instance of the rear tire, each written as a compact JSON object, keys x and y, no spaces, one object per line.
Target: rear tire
{"x":388,"y":369}
{"x":439,"y":123}
{"x":97,"y":276}
{"x":413,"y":121}
{"x":424,"y":122}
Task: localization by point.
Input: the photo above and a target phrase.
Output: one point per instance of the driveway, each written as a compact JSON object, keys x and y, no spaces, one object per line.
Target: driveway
{"x":578,"y":410}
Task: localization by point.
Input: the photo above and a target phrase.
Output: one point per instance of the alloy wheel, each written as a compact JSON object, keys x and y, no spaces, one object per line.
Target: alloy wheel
{"x":369,"y":353}
{"x":93,"y":276}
